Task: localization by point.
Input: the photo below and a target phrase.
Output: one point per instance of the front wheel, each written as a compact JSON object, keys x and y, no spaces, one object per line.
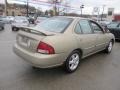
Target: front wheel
{"x":72,"y":61}
{"x":109,"y":47}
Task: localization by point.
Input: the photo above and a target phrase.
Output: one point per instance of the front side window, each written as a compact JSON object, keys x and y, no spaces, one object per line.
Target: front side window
{"x":95,"y":27}
{"x":78,"y":29}
{"x":85,"y":26}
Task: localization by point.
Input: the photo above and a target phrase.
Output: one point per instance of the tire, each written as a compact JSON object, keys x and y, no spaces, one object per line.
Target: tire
{"x":1,"y":28}
{"x":72,"y":62}
{"x":109,"y":47}
{"x":14,"y":29}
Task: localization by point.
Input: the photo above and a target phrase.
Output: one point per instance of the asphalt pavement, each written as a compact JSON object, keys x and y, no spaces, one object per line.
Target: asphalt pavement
{"x":98,"y":72}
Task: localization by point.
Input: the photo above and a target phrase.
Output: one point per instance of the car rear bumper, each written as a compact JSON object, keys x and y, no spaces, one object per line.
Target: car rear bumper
{"x":40,"y":60}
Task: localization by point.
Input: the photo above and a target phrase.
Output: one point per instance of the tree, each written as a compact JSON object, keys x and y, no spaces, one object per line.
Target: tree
{"x":55,"y":8}
{"x":46,"y":12}
{"x":51,"y":12}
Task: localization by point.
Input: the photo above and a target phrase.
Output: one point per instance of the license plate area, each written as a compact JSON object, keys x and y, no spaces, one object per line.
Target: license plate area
{"x":24,"y":41}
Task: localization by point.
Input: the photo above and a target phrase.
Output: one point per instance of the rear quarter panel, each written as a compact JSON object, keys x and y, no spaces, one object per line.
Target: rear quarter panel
{"x":64,"y":43}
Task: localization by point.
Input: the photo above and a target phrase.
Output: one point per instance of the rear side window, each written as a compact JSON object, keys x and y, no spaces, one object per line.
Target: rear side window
{"x":85,"y":26}
{"x":78,"y":29}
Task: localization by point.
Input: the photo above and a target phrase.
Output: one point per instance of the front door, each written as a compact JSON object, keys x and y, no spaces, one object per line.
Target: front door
{"x":101,"y":36}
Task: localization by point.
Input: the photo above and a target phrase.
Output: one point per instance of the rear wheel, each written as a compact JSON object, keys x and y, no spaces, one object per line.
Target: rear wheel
{"x":72,"y":61}
{"x":109,"y":47}
{"x":1,"y":28}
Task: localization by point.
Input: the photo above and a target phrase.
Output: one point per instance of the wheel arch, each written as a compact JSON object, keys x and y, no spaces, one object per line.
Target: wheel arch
{"x":80,"y":51}
{"x":113,"y":41}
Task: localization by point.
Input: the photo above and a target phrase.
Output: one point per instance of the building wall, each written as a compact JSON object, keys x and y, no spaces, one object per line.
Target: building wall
{"x":15,"y":9}
{"x":16,"y":12}
{"x":116,"y":17}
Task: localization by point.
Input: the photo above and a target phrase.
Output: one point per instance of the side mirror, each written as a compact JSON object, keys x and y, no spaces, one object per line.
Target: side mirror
{"x":106,"y":30}
{"x":106,"y":26}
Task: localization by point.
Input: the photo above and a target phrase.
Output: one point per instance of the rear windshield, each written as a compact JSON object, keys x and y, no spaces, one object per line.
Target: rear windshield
{"x":54,"y":24}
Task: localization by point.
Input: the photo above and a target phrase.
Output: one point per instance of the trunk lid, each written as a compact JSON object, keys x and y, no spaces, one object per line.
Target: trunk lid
{"x":29,"y":38}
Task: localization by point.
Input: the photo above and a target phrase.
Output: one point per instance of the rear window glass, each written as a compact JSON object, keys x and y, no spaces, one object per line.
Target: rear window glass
{"x":54,"y":24}
{"x":112,"y":25}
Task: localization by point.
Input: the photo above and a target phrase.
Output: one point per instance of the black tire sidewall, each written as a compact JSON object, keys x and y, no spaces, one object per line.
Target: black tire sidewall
{"x":1,"y":29}
{"x":14,"y":29}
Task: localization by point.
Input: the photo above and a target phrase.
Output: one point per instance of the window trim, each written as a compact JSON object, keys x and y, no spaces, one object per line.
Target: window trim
{"x":67,"y":26}
{"x":92,"y":32}
{"x":80,"y":28}
{"x":97,"y":25}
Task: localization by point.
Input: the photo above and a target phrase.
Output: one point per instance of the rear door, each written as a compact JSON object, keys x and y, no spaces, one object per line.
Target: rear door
{"x":85,"y":36}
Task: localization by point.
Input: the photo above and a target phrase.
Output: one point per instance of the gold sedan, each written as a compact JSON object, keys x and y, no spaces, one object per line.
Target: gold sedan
{"x":62,"y":41}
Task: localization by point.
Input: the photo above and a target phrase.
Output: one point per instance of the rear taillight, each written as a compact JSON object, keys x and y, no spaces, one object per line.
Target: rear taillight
{"x":45,"y":48}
